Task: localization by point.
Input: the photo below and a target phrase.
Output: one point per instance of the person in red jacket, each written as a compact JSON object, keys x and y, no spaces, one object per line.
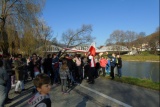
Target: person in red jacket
{"x":103,"y":62}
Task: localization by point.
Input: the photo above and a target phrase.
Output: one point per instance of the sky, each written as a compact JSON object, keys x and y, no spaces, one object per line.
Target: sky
{"x":105,"y":16}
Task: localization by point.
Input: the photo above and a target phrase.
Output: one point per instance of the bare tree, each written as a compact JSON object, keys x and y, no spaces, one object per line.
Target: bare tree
{"x":28,"y":42}
{"x":129,"y":37}
{"x":139,"y":41}
{"x":78,"y":37}
{"x":54,"y":41}
{"x":154,"y":41}
{"x":109,"y":42}
{"x":43,"y":35}
{"x":36,"y":39}
{"x":17,"y":13}
{"x":117,"y":37}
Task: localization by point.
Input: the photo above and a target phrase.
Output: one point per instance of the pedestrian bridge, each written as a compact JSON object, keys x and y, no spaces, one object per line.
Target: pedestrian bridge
{"x":111,"y":48}
{"x":115,"y":48}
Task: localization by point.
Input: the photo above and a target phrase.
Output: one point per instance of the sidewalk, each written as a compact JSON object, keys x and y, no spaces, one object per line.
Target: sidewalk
{"x":77,"y":97}
{"x":20,"y":99}
{"x":104,"y":93}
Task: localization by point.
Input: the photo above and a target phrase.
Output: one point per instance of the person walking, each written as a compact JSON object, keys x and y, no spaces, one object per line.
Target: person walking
{"x":8,"y":67}
{"x":119,"y":66}
{"x":77,"y":61}
{"x":113,"y":64}
{"x":18,"y":66}
{"x":103,"y":63}
{"x":3,"y":83}
{"x":71,"y":65}
{"x":34,"y":68}
{"x":64,"y":74}
{"x":108,"y":66}
{"x":91,"y":61}
{"x":55,"y":68}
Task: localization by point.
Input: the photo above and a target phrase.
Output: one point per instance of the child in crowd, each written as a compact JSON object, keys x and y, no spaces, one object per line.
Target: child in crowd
{"x":41,"y":98}
{"x":64,"y":74}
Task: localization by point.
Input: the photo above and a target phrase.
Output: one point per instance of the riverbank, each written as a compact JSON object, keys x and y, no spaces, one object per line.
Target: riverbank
{"x":146,"y":83}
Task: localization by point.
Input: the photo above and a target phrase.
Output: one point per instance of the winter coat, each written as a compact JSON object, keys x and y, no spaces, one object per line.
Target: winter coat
{"x":112,"y":61}
{"x":18,"y":66}
{"x":8,"y":67}
{"x":64,"y":74}
{"x":103,"y":62}
{"x":119,"y":64}
{"x":3,"y":76}
{"x":71,"y":65}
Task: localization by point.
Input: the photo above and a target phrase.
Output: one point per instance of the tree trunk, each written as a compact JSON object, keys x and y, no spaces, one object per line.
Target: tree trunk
{"x":4,"y":42}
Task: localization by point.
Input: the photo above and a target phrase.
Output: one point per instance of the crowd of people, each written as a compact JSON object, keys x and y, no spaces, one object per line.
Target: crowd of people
{"x":66,"y":70}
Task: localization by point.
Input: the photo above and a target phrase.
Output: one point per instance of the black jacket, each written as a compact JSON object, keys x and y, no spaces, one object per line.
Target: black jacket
{"x":119,"y":64}
{"x":71,"y":65}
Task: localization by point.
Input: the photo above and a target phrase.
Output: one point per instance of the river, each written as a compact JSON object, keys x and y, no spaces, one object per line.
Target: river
{"x":143,"y":70}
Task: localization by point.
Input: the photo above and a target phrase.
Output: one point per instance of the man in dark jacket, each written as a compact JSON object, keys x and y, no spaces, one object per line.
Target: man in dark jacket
{"x":8,"y":68}
{"x":113,"y":64}
{"x":119,"y":65}
{"x":3,"y":83}
{"x":71,"y":65}
{"x":55,"y":68}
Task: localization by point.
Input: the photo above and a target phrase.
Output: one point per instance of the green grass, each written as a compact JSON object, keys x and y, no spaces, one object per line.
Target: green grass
{"x":140,"y":57}
{"x":138,"y":82}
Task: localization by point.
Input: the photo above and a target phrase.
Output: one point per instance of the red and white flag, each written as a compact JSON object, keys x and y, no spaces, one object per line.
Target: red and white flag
{"x":92,"y":49}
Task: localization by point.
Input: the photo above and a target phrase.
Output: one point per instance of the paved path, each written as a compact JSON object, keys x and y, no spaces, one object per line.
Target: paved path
{"x":104,"y":93}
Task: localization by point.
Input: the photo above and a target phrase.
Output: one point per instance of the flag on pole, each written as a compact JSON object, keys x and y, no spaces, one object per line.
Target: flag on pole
{"x":92,"y":49}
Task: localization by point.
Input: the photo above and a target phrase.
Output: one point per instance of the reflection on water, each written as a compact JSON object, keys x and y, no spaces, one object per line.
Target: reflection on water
{"x":147,"y":70}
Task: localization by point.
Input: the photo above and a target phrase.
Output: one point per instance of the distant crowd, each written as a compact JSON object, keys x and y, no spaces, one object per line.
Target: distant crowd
{"x":54,"y":69}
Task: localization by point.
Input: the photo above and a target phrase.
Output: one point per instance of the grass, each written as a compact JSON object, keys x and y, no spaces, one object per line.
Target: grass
{"x":138,"y":82}
{"x":140,"y":57}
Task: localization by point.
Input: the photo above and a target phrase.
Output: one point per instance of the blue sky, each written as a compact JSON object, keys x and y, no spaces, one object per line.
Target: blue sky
{"x":105,"y":16}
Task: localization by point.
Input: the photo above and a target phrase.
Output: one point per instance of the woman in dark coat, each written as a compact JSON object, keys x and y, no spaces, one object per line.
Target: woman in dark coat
{"x":119,"y":65}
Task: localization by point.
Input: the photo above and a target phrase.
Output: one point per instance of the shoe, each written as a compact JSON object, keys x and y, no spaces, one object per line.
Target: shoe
{"x":7,"y":102}
{"x":23,"y":89}
{"x":91,"y":82}
{"x":112,"y":78}
{"x":13,"y":85}
{"x":73,"y":84}
{"x":88,"y":81}
{"x":57,"y":84}
{"x":17,"y":92}
{"x":9,"y":99}
{"x":77,"y":83}
{"x":65,"y":93}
